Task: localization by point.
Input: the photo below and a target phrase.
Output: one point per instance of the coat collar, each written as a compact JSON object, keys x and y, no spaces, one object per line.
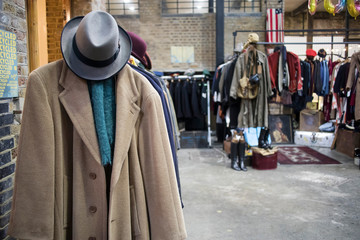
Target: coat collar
{"x":76,"y":101}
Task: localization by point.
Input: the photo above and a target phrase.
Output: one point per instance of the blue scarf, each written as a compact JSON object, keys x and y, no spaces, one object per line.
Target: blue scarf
{"x":102,"y":96}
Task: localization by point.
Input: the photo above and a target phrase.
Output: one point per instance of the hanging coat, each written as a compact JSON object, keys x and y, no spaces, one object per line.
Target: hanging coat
{"x":254,"y":112}
{"x":355,"y":63}
{"x":60,"y":186}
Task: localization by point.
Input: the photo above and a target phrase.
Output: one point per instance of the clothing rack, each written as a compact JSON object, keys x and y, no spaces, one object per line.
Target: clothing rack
{"x":201,"y":77}
{"x":325,"y":32}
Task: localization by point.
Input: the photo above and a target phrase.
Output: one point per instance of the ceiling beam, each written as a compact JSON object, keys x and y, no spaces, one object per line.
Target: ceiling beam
{"x":301,"y":8}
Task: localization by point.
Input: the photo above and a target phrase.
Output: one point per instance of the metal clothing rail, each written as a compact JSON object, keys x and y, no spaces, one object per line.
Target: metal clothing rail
{"x":203,"y":78}
{"x":298,"y":43}
{"x":329,"y":32}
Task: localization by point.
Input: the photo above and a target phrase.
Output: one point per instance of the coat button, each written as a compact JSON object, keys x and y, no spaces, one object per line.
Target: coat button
{"x":92,"y":238}
{"x":92,"y":209}
{"x":92,"y":175}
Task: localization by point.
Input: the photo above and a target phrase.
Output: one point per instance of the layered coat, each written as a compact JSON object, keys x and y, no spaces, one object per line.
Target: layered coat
{"x":352,"y":80}
{"x":254,"y":112}
{"x":60,"y":185}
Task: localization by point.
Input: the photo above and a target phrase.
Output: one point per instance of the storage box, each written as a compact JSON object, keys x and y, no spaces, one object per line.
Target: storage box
{"x":347,"y":141}
{"x":261,"y":162}
{"x":314,"y":139}
{"x":310,"y":120}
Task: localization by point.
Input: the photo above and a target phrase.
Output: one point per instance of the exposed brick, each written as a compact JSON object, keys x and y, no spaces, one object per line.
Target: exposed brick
{"x":5,"y":18}
{"x":20,"y":13}
{"x":5,"y":208}
{"x":5,"y":185}
{"x":6,"y":119}
{"x":4,"y":107}
{"x":6,"y":196}
{"x":20,"y":3}
{"x":6,"y":144}
{"x":6,"y":171}
{"x":3,"y":233}
{"x":8,"y":8}
{"x":5,"y":158}
{"x":4,"y":131}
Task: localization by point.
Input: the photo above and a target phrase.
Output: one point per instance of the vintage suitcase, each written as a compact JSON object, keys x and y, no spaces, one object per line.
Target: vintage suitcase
{"x":310,"y":120}
{"x":261,"y":162}
{"x":314,"y":139}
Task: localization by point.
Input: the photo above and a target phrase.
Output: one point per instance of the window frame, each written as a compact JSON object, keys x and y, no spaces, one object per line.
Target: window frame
{"x":124,"y":8}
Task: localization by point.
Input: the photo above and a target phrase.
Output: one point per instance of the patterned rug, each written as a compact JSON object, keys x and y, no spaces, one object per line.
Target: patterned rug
{"x":302,"y":155}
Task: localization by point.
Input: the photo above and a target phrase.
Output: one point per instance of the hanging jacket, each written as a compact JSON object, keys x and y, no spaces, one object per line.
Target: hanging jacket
{"x":355,"y":80}
{"x":60,"y":161}
{"x":254,"y":112}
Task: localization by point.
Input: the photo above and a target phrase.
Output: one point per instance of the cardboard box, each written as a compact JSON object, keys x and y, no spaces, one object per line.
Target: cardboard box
{"x":314,"y":139}
{"x":310,"y":120}
{"x":347,"y":141}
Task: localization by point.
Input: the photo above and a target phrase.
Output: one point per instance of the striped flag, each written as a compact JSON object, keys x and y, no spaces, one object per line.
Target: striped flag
{"x":275,"y":21}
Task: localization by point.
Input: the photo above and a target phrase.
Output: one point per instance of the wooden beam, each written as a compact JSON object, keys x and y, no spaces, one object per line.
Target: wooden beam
{"x":300,"y":9}
{"x":37,"y":34}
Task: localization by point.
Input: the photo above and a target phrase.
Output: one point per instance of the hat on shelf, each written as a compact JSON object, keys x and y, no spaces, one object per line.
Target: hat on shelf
{"x":252,"y":38}
{"x":322,"y":53}
{"x":310,"y":53}
{"x":189,"y":72}
{"x":139,"y":50}
{"x":86,"y":50}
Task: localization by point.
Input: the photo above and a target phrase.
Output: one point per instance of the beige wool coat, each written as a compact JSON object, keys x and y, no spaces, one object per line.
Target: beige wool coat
{"x":60,"y":186}
{"x":355,"y":64}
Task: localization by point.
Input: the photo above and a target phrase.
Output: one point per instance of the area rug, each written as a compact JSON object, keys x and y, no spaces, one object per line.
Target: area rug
{"x":302,"y":155}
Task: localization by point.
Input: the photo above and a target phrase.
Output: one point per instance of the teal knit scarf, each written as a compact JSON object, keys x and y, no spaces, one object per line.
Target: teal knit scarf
{"x":102,"y":96}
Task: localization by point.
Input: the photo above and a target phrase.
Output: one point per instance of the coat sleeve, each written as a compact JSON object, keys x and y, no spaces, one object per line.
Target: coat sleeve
{"x":351,"y":77}
{"x":32,"y":215}
{"x":235,"y":80}
{"x":162,"y":196}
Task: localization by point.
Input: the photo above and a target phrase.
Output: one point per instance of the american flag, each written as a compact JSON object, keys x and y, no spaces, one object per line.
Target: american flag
{"x":275,"y":21}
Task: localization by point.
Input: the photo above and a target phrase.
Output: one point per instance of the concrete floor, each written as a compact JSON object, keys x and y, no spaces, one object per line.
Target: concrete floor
{"x":291,"y":202}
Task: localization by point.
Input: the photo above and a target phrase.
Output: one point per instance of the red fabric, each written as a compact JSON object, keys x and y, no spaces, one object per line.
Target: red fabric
{"x":293,"y":62}
{"x":310,"y":52}
{"x":275,"y":22}
{"x":273,"y":60}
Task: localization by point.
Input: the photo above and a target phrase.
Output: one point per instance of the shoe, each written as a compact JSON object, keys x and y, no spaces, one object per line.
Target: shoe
{"x":234,"y":155}
{"x":241,"y":153}
{"x":266,"y":138}
{"x":262,"y":143}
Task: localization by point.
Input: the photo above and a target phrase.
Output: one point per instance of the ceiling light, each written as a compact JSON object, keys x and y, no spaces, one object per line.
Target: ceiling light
{"x":131,"y":8}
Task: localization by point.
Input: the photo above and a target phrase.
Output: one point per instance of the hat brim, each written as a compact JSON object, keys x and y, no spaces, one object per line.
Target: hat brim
{"x":83,"y":70}
{"x":147,"y":61}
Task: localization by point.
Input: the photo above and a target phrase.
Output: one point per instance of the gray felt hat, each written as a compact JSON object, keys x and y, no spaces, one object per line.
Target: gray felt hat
{"x":94,"y":46}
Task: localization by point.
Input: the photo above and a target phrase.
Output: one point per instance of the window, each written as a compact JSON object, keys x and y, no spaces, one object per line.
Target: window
{"x":123,"y":7}
{"x":242,"y":6}
{"x":187,"y":6}
{"x":205,"y":6}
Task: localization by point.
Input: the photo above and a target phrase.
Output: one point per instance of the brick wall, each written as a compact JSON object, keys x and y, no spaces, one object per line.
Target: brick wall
{"x":12,"y":19}
{"x":321,"y":20}
{"x":162,"y":32}
{"x":82,"y":7}
{"x":54,"y":18}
